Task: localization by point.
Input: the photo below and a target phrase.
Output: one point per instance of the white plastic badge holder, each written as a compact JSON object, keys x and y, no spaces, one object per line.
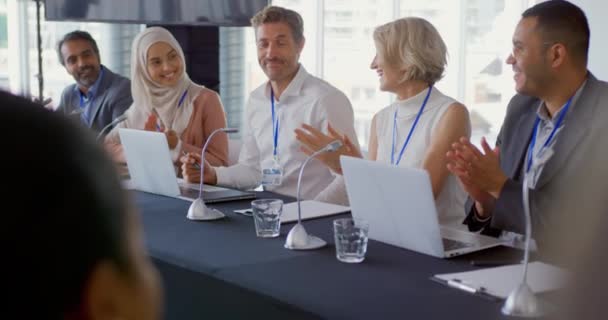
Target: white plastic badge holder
{"x":272,"y":173}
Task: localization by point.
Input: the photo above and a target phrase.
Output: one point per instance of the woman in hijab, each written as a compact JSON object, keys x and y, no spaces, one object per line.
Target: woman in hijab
{"x":165,"y":99}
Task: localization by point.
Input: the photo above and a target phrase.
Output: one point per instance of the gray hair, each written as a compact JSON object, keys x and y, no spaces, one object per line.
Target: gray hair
{"x":273,"y":14}
{"x":414,"y":46}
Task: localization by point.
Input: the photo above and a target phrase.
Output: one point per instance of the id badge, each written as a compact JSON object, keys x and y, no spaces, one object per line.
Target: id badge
{"x":272,"y":173}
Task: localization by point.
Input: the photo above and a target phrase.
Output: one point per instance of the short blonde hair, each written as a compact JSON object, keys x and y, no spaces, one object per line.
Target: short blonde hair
{"x":414,"y":46}
{"x":274,"y":14}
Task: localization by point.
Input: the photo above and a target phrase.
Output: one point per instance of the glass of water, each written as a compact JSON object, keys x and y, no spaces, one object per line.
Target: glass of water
{"x":350,"y":236}
{"x":267,"y":217}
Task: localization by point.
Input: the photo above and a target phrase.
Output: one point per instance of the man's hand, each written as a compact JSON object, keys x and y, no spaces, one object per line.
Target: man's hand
{"x":479,"y":173}
{"x":46,"y":103}
{"x":191,"y":171}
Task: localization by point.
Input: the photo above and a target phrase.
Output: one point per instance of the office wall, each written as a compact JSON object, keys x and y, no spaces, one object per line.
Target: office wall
{"x":598,"y":53}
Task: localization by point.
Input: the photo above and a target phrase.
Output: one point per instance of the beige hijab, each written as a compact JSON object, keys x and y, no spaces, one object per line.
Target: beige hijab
{"x":149,"y":96}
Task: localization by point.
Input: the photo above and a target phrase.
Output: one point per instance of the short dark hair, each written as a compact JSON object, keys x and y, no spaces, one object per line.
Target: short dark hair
{"x":563,"y":22}
{"x":74,"y":219}
{"x":76,"y":35}
{"x":274,"y":14}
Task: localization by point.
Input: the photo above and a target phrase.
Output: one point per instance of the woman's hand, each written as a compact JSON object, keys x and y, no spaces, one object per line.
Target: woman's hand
{"x":172,"y":138}
{"x":313,"y":140}
{"x":151,"y":124}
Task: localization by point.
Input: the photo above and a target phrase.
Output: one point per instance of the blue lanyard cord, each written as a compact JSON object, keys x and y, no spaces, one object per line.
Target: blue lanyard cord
{"x":426,"y":99}
{"x":560,"y":118}
{"x":82,"y":103}
{"x":275,"y":124}
{"x":181,"y":100}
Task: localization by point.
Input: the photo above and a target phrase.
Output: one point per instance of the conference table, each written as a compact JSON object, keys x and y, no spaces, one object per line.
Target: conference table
{"x":221,"y":270}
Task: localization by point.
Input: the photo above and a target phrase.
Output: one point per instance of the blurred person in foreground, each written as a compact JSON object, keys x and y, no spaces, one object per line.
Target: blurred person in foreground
{"x":76,"y":249}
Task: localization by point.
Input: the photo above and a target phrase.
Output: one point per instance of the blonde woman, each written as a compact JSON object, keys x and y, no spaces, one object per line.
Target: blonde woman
{"x":165,"y":99}
{"x":417,"y":130}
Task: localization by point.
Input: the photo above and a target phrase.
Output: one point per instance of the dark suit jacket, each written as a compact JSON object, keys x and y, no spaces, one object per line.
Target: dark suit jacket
{"x":112,"y":99}
{"x":574,"y":181}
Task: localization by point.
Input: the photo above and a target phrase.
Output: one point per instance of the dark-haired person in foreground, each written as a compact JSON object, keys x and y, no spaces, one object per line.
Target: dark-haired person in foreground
{"x":73,"y":243}
{"x":555,"y":128}
{"x":99,"y":95}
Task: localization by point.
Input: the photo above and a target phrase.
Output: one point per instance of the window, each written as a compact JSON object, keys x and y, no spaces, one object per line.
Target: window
{"x":3,"y":46}
{"x":21,"y":53}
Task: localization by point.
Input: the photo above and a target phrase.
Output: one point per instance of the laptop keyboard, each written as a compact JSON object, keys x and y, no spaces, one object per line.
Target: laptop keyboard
{"x":449,"y":244}
{"x":188,"y":192}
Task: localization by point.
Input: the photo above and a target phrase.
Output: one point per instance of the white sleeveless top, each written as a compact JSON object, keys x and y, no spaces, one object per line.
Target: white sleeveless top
{"x":451,"y":199}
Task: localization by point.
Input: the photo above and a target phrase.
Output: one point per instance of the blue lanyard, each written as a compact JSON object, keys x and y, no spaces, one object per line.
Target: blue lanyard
{"x":560,"y":118}
{"x":181,"y":100}
{"x":426,"y":99}
{"x":275,"y":125}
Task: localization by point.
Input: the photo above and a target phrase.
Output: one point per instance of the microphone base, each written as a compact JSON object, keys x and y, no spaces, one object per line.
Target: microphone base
{"x":312,"y":243}
{"x":199,"y":211}
{"x":522,"y":303}
{"x":299,"y":239}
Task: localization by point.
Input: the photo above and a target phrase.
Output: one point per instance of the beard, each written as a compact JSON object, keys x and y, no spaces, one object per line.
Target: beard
{"x":87,"y":75}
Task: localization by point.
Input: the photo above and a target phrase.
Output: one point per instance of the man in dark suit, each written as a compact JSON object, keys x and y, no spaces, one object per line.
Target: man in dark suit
{"x":554,"y":131}
{"x":99,"y":96}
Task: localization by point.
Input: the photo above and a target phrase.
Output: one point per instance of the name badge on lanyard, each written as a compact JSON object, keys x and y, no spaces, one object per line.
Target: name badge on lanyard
{"x":272,"y":172}
{"x":544,"y":154}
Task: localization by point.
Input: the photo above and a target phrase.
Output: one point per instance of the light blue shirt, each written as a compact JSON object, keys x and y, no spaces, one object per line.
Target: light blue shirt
{"x":545,"y":126}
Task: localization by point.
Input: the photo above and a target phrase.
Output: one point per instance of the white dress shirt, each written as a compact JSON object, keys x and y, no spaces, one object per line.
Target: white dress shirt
{"x":307,"y":99}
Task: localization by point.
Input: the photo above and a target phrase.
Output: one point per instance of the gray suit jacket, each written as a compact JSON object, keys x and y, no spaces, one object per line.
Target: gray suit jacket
{"x":113,"y":98}
{"x":574,"y":181}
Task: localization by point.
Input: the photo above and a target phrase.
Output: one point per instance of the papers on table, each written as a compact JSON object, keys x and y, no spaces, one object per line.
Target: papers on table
{"x":310,"y":209}
{"x":500,"y":281}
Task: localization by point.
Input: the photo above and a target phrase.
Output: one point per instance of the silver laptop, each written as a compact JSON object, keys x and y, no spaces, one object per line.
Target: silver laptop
{"x":399,"y":205}
{"x":151,"y":169}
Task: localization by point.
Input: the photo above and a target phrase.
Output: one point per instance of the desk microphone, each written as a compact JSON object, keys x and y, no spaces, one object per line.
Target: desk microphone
{"x":298,"y":238}
{"x":114,"y":122}
{"x":198,"y":210}
{"x":521,"y":301}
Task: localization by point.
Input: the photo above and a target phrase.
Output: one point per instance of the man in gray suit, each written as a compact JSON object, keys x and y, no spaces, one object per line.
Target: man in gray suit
{"x":554,"y":130}
{"x":99,"y":96}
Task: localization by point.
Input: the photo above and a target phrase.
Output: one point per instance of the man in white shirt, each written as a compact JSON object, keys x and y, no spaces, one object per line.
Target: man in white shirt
{"x":290,"y":98}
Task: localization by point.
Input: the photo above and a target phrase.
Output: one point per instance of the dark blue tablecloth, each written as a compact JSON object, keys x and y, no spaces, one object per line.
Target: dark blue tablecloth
{"x":220,"y":269}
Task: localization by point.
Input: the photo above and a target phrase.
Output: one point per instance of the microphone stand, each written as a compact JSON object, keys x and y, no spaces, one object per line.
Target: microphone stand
{"x":298,"y":238}
{"x":521,"y":301}
{"x":198,"y":209}
{"x":116,"y":121}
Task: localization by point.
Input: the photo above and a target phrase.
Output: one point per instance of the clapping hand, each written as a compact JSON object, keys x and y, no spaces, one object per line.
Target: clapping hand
{"x":152,"y":125}
{"x":313,"y":140}
{"x":479,"y":172}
